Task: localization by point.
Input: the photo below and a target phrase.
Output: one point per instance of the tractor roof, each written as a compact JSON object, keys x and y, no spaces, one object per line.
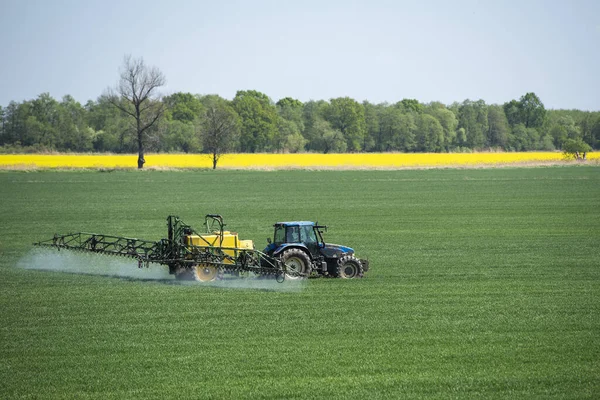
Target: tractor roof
{"x":295,"y":223}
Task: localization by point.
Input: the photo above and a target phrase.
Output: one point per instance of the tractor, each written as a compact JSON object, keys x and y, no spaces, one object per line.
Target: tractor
{"x":301,"y":248}
{"x":297,"y":251}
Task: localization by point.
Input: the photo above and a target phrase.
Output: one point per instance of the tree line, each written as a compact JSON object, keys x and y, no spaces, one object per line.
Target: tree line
{"x":251,"y":122}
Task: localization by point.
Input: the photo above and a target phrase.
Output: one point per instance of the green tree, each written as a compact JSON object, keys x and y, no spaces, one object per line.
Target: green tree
{"x":313,"y":114}
{"x":411,"y":105}
{"x":525,"y":139}
{"x":498,"y":127}
{"x":447,"y":120}
{"x":532,"y":111}
{"x":595,"y":130}
{"x":176,"y":136}
{"x":2,"y":124}
{"x":42,"y":124}
{"x":473,"y":118}
{"x":75,"y":134}
{"x":372,"y":112}
{"x":112,"y":128}
{"x":289,"y":138}
{"x":390,"y":128}
{"x":259,"y":120}
{"x":183,"y":107}
{"x":348,"y":116}
{"x":564,"y":128}
{"x":332,"y":140}
{"x":136,"y":96}
{"x":576,"y":148}
{"x":288,"y":102}
{"x":430,"y":134}
{"x":512,"y":112}
{"x":397,"y":130}
{"x":290,"y":126}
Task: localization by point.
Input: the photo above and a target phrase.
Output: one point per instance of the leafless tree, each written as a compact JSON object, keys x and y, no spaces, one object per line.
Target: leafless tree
{"x":220,"y":127}
{"x":136,"y":95}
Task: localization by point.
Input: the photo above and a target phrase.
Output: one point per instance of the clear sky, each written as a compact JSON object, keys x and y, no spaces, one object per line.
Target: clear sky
{"x":376,"y":50}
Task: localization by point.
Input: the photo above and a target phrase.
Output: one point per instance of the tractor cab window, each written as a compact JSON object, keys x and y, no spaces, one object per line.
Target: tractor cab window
{"x":293,"y":234}
{"x":308,"y":234}
{"x":279,"y":234}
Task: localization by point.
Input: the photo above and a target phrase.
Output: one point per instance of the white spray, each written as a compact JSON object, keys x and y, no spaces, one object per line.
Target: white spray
{"x":75,"y":262}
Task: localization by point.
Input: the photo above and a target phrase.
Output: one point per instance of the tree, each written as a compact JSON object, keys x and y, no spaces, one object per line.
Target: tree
{"x":512,"y":112}
{"x":348,"y":116}
{"x":529,"y":111}
{"x":473,"y":118}
{"x":396,"y":129}
{"x":43,"y":121}
{"x":525,"y":139}
{"x":576,"y":149}
{"x":430,"y":134}
{"x":595,"y":130}
{"x":564,"y":128}
{"x":220,"y":127}
{"x":74,"y":134}
{"x":333,"y":140}
{"x":290,"y":125}
{"x":410,"y":105}
{"x":532,"y":110}
{"x":183,"y":107}
{"x":447,"y":120}
{"x":389,"y":128}
{"x":313,"y":113}
{"x":372,"y":133}
{"x":497,"y":134}
{"x":136,"y":96}
{"x":113,"y":130}
{"x":289,"y":139}
{"x":259,"y":120}
{"x":2,"y":126}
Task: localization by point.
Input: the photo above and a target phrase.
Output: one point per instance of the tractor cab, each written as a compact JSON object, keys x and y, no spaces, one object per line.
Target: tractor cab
{"x":307,"y":236}
{"x":304,"y":234}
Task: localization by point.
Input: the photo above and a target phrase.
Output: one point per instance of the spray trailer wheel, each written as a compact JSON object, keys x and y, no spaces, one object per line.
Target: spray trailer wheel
{"x":297,"y":264}
{"x":349,"y":267}
{"x":205,"y":272}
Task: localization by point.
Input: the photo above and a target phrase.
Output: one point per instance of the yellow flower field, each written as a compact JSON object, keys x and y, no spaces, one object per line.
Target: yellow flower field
{"x":286,"y":161}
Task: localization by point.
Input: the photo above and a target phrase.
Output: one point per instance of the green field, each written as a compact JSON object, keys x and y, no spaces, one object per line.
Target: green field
{"x":483,"y":284}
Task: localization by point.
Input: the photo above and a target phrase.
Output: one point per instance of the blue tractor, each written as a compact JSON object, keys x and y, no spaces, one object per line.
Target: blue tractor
{"x":300,"y":246}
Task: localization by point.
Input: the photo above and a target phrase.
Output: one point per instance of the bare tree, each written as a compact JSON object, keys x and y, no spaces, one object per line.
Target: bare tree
{"x":220,"y":127}
{"x":136,"y":95}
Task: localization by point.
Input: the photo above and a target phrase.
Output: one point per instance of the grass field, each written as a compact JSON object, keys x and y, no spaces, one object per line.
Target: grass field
{"x":483,"y":284}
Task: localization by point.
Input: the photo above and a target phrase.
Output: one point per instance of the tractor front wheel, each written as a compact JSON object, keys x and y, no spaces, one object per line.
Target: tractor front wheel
{"x":349,"y":267}
{"x":297,"y":264}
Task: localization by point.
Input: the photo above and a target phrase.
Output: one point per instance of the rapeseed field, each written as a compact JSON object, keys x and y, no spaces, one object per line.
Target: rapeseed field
{"x":285,"y":161}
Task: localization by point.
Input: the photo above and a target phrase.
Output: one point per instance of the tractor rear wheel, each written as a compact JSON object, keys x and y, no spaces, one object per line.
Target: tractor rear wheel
{"x":349,"y":267}
{"x":297,"y":264}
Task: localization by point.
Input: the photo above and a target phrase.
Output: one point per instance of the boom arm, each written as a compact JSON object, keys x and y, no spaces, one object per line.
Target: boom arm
{"x":172,"y":251}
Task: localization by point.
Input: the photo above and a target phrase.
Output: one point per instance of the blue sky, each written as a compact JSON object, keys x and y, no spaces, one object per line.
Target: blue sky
{"x":375,"y":50}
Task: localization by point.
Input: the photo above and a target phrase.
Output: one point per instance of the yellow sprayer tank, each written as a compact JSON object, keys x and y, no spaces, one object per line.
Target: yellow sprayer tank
{"x":230,"y":242}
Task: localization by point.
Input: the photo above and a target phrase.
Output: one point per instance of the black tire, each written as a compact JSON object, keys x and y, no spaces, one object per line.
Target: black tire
{"x":349,"y":267}
{"x":297,"y":263}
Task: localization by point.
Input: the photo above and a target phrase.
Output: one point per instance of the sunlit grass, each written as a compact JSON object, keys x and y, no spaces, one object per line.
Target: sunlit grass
{"x":286,"y":161}
{"x":484,"y":284}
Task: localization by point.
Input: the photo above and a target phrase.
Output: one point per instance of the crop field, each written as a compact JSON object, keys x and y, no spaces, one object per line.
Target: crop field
{"x":484,"y":283}
{"x":287,"y":161}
